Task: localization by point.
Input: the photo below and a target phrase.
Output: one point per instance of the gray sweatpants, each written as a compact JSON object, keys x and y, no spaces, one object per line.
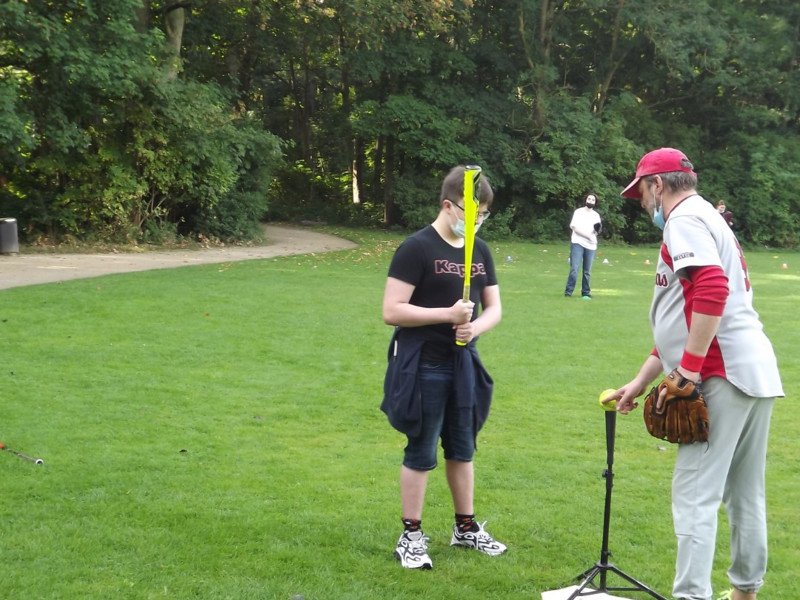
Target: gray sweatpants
{"x":730,"y":469}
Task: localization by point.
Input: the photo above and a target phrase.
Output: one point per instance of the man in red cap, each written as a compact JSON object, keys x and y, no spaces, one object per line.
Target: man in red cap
{"x":705,"y":329}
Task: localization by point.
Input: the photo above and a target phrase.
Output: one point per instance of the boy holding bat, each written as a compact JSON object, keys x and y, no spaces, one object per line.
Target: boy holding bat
{"x":436,"y":386}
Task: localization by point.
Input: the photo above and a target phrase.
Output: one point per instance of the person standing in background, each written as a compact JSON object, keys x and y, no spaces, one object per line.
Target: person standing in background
{"x":726,"y":214}
{"x":585,"y":226}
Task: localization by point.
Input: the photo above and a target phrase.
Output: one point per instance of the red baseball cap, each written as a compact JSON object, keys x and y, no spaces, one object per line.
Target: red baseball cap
{"x":663,"y":160}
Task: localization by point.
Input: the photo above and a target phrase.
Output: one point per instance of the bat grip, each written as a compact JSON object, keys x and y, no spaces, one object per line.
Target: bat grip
{"x":464,"y":298}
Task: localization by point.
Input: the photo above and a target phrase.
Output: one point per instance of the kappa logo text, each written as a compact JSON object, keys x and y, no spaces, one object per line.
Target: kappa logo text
{"x":442,"y":267}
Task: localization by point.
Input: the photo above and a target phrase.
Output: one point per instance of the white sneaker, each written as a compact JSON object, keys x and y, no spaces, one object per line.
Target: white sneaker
{"x":412,"y":550}
{"x":480,"y":540}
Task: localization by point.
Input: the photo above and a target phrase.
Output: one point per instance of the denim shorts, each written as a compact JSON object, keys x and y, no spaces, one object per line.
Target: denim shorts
{"x":439,"y":419}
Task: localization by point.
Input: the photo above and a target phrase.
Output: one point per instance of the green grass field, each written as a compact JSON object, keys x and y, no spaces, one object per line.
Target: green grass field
{"x":213,"y":432}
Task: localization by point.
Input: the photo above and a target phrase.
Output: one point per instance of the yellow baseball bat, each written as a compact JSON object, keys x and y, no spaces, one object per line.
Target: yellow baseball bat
{"x":471,"y":175}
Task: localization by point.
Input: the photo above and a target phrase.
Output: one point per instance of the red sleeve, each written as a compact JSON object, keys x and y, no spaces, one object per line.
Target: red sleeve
{"x":710,"y":290}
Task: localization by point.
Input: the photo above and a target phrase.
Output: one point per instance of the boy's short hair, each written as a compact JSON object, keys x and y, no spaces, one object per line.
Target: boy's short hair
{"x":453,"y":187}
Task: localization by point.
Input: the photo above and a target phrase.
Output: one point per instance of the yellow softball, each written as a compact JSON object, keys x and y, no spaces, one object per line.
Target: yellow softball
{"x":607,"y":404}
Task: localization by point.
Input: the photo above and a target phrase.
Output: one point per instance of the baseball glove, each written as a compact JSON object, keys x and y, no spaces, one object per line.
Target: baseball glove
{"x":683,"y":417}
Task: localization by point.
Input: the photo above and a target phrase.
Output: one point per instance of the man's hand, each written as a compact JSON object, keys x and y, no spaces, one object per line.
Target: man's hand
{"x":627,"y":395}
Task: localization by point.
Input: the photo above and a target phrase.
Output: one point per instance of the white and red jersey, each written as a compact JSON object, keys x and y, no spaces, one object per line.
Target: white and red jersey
{"x":696,"y":235}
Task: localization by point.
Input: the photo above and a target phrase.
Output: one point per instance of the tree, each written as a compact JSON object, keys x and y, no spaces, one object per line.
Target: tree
{"x":118,"y":146}
{"x":132,"y":116}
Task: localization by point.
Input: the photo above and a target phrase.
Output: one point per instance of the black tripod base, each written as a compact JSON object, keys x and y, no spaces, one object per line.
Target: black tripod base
{"x":588,"y":588}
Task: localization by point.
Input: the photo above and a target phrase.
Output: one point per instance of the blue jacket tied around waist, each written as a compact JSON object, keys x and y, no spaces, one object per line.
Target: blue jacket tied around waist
{"x":402,"y":399}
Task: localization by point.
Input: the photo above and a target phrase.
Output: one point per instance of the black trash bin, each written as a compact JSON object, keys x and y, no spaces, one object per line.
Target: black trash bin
{"x":9,"y":242}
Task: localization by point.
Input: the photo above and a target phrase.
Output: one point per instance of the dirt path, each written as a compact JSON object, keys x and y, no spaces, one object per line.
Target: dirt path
{"x":31,"y":269}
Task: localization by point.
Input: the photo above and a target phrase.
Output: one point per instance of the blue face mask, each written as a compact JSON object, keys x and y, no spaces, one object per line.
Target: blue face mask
{"x":658,"y":215}
{"x":658,"y":219}
{"x":460,"y":228}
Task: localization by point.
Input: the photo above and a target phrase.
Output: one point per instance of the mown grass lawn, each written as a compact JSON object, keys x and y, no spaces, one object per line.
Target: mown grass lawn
{"x":214,"y":432}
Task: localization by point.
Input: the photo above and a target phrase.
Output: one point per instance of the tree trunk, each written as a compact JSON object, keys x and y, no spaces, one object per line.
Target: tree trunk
{"x":547,"y":11}
{"x":353,"y":145}
{"x":143,"y":16}
{"x":389,"y":208}
{"x":376,"y":193}
{"x":358,"y":169}
{"x":614,"y":63}
{"x":174,"y":21}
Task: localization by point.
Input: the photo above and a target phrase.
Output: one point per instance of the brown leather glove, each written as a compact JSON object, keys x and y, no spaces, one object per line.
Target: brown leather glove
{"x":683,"y":417}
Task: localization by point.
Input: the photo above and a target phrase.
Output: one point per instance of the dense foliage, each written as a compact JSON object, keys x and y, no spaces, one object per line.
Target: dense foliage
{"x":99,"y":137}
{"x":135,"y":115}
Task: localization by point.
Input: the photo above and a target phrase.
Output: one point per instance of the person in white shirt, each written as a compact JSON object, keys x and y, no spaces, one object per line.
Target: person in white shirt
{"x":585,"y":226}
{"x":705,"y":328}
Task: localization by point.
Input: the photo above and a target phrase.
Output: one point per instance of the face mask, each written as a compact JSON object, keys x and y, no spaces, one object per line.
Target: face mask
{"x":588,"y":205}
{"x":459,"y":229}
{"x":658,"y":215}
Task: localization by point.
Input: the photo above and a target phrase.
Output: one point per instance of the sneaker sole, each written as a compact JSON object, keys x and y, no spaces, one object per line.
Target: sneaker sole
{"x":423,"y":566}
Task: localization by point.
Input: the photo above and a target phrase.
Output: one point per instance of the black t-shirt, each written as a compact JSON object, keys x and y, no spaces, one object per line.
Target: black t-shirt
{"x":436,"y":270}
